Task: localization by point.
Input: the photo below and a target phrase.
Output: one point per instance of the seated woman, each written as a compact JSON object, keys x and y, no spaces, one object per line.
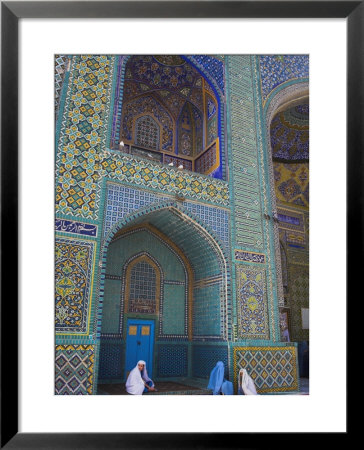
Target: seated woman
{"x":217,"y":383}
{"x":138,"y":380}
{"x":245,"y":384}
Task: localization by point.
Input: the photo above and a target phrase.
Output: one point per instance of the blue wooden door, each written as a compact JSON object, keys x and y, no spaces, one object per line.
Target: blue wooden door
{"x":139,"y":344}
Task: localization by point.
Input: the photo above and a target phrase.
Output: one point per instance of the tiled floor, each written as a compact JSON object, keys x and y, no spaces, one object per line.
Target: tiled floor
{"x":184,"y":386}
{"x":163,"y":388}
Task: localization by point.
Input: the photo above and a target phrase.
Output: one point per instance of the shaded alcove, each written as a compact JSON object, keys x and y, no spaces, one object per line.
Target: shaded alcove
{"x":170,"y":114}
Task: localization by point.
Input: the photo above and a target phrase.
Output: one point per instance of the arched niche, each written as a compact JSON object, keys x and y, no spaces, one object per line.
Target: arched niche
{"x":177,"y":85}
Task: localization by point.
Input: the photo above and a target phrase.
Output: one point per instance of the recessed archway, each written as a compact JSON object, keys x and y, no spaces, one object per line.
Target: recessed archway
{"x":168,"y":85}
{"x":193,"y":302}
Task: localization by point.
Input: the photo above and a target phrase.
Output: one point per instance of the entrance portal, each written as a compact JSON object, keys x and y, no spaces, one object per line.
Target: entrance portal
{"x":164,"y":298}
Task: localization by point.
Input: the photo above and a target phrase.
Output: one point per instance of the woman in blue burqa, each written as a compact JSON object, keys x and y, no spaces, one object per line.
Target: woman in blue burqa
{"x":218,"y":384}
{"x":138,"y":380}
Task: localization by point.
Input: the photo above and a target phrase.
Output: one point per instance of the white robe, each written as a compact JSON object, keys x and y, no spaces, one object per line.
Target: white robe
{"x":135,"y":382}
{"x":247,"y":384}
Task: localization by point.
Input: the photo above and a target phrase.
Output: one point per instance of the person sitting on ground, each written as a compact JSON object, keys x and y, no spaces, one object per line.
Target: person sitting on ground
{"x":138,"y":381}
{"x":217,"y":383}
{"x":246,"y":384}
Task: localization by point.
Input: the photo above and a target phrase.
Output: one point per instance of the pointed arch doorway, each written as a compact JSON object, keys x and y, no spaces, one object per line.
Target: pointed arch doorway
{"x":162,"y":270}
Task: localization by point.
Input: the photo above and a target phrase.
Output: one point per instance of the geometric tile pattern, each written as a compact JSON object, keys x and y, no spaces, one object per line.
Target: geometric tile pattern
{"x":298,"y":286}
{"x":207,"y":310}
{"x":83,"y":134}
{"x":172,"y":360}
{"x":122,"y":200}
{"x":147,"y":132}
{"x":251,"y":302}
{"x":273,"y":369}
{"x":60,"y":66}
{"x":74,"y":369}
{"x":80,"y":164}
{"x":142,"y":295}
{"x":289,"y":132}
{"x":73,"y":272}
{"x":245,"y":176}
{"x":291,"y":182}
{"x":110,"y":361}
{"x":205,"y":357}
{"x":213,"y":66}
{"x":277,"y":69}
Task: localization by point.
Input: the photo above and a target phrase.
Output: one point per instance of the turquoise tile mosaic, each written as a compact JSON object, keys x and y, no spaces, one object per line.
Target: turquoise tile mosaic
{"x":205,"y":357}
{"x":172,"y":294}
{"x":207,"y":311}
{"x":172,"y":360}
{"x":208,"y":262}
{"x":74,"y":369}
{"x":74,"y":260}
{"x":209,"y":273}
{"x":245,"y":177}
{"x":60,"y":68}
{"x":111,"y":357}
{"x":273,"y":369}
{"x":121,"y":200}
{"x":82,"y":135}
{"x":174,"y":309}
{"x":112,"y":304}
{"x":251,"y":302}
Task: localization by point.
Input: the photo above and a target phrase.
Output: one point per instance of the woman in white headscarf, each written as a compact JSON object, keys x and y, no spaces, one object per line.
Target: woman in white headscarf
{"x":246,"y":384}
{"x":138,"y":380}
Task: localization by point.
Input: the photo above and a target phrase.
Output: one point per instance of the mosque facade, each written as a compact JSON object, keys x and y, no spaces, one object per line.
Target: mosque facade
{"x":181,"y":223}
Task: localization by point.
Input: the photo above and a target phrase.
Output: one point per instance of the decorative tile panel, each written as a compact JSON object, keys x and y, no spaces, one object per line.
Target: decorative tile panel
{"x":213,"y":66}
{"x":241,"y":255}
{"x":273,"y":369}
{"x":292,"y":183}
{"x":245,"y":177}
{"x":251,"y":302}
{"x":172,"y":360}
{"x":73,"y":274}
{"x":298,"y":276}
{"x":277,"y":69}
{"x":74,"y":369}
{"x":74,"y":227}
{"x":111,"y":360}
{"x":122,"y":200}
{"x":79,"y":164}
{"x":60,"y":68}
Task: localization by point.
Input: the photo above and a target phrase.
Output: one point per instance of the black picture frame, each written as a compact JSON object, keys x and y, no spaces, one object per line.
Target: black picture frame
{"x":11,"y":12}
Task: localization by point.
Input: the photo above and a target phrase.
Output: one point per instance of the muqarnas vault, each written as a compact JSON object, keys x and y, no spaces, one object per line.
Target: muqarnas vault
{"x":181,"y":217}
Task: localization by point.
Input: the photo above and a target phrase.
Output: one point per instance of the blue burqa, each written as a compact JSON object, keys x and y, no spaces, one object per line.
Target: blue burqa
{"x":216,"y":378}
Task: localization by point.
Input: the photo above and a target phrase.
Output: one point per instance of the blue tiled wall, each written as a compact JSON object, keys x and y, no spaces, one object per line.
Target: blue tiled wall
{"x":172,"y":360}
{"x":206,"y":306}
{"x":121,"y":200}
{"x":111,"y":361}
{"x":174,"y":309}
{"x":205,"y":357}
{"x":111,"y":310}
